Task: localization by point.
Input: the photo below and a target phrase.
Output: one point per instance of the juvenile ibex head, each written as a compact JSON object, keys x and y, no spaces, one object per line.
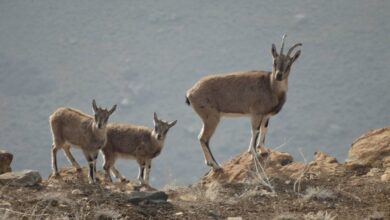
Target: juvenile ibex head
{"x":282,"y":63}
{"x":101,"y":115}
{"x":161,"y":127}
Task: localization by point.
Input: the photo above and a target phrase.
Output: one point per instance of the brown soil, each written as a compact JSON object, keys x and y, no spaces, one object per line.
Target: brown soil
{"x":349,"y":195}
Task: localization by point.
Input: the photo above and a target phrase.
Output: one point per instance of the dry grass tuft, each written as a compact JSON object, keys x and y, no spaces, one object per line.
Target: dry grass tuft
{"x":287,"y":216}
{"x":319,"y":216}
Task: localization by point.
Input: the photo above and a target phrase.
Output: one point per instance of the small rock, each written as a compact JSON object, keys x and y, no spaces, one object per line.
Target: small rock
{"x":5,"y":161}
{"x":21,"y":178}
{"x":373,"y":172}
{"x":5,"y":204}
{"x":155,"y":197}
{"x":386,"y":176}
{"x":234,"y":218}
{"x":77,"y":192}
{"x":386,"y":162}
{"x":179,"y":213}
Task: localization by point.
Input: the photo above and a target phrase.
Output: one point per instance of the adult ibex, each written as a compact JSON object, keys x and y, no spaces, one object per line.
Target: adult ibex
{"x":256,"y":94}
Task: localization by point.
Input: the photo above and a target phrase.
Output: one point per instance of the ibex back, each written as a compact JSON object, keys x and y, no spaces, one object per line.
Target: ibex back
{"x":255,"y":94}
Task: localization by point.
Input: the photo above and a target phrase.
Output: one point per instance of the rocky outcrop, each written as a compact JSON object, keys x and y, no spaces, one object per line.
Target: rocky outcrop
{"x":276,"y":165}
{"x":371,"y":152}
{"x":5,"y":161}
{"x":372,"y":149}
{"x":21,"y":178}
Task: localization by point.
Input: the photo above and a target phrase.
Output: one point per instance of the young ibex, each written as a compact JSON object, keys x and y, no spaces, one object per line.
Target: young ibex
{"x":256,"y":94}
{"x":72,"y":127}
{"x":134,"y":142}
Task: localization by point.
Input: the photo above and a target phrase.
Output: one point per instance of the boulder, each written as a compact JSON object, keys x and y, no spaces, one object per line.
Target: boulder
{"x":242,"y":168}
{"x":276,"y":165}
{"x":136,"y":197}
{"x":21,"y":178}
{"x":322,"y":165}
{"x":372,"y":149}
{"x":5,"y":161}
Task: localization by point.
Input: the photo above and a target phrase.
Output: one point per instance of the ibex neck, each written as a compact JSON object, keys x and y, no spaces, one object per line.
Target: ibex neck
{"x":98,"y":132}
{"x":279,"y":87}
{"x":158,"y":142}
{"x":98,"y":136}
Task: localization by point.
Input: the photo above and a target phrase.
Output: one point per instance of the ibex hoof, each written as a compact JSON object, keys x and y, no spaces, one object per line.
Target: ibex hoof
{"x":54,"y":175}
{"x":213,"y":165}
{"x":217,"y":169}
{"x":263,"y":152}
{"x":93,"y":182}
{"x":254,"y":155}
{"x":107,"y":179}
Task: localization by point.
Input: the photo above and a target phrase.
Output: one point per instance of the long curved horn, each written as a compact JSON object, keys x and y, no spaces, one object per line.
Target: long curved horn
{"x":281,"y":49}
{"x":292,"y":48}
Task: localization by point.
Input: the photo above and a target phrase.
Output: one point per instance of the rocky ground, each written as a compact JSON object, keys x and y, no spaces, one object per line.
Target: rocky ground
{"x":319,"y":189}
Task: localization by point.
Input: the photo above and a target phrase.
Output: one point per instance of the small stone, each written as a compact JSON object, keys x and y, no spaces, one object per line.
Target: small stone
{"x":373,"y":172}
{"x":77,"y":192}
{"x":21,"y":178}
{"x":179,"y":213}
{"x":386,"y":176}
{"x":5,"y":204}
{"x":234,"y":218}
{"x":155,"y":197}
{"x":5,"y":161}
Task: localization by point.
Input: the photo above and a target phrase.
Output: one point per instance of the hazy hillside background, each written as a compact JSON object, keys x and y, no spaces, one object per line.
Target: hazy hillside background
{"x":144,"y":55}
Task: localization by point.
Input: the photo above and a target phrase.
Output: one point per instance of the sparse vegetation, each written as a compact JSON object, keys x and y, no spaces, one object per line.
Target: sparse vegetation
{"x":70,"y":197}
{"x":376,"y":216}
{"x":320,"y":215}
{"x":287,"y":216}
{"x":318,"y":193}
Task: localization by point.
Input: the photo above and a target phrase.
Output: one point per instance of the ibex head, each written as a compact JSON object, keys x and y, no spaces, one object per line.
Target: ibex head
{"x":101,"y":115}
{"x":161,"y":127}
{"x":282,"y":63}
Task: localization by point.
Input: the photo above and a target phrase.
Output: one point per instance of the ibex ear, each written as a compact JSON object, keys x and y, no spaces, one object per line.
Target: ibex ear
{"x":273,"y":51}
{"x":95,"y":108}
{"x":112,"y":109}
{"x":296,"y":55}
{"x":171,"y":124}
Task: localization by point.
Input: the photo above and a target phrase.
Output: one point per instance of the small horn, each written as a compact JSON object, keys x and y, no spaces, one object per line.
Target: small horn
{"x":281,"y":49}
{"x":292,"y":48}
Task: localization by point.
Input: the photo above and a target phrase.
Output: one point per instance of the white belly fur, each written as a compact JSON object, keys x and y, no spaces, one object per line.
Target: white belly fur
{"x":125,"y":156}
{"x":233,"y":115}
